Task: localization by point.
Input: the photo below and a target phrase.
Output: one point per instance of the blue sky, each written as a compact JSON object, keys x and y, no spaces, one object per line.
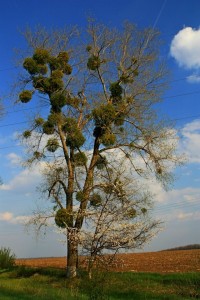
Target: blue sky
{"x":179,"y":23}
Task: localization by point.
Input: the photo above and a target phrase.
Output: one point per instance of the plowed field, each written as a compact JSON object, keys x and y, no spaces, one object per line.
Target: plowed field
{"x":159,"y":262}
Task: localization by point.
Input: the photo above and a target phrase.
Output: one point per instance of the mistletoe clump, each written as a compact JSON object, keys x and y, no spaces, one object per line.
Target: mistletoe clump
{"x":56,"y":81}
{"x":60,"y":63}
{"x":70,"y":125}
{"x":80,"y":159}
{"x":58,"y":99}
{"x":39,"y":121}
{"x":52,"y":145}
{"x":119,"y":121}
{"x":57,"y":74}
{"x":67,"y":69}
{"x":144,"y":210}
{"x":75,"y":138}
{"x":25,"y":96}
{"x":48,"y":127}
{"x":62,"y":218}
{"x":42,"y":84}
{"x":131,"y":213}
{"x":88,"y":48}
{"x":41,"y":56}
{"x":37,"y":63}
{"x":101,"y":162}
{"x":27,"y":134}
{"x":63,"y":57}
{"x":33,"y":67}
{"x":95,"y":199}
{"x":79,"y":196}
{"x":73,"y":101}
{"x":108,"y":139}
{"x":103,"y":115}
{"x":30,"y":65}
{"x":42,"y":69}
{"x":37,"y":155}
{"x":116,"y":92}
{"x":93,"y":63}
{"x":55,"y":118}
{"x":40,"y":63}
{"x":54,"y":63}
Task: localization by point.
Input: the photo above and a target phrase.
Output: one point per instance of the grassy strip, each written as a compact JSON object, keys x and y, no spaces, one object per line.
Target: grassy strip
{"x":27,"y":283}
{"x":34,"y":285}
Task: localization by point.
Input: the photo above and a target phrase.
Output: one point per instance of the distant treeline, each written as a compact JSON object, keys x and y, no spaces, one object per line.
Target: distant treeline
{"x":187,"y":247}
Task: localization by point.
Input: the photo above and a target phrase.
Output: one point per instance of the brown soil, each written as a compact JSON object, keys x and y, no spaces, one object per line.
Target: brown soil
{"x":159,"y":262}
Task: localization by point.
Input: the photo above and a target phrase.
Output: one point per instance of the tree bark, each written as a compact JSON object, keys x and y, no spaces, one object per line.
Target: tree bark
{"x":72,"y":253}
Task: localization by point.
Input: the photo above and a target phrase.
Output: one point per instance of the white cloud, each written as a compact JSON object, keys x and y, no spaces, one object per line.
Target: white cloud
{"x":190,"y":142}
{"x":192,"y":197}
{"x":188,"y":216}
{"x":178,"y":204}
{"x":14,"y":158}
{"x":186,"y":195}
{"x":191,"y":127}
{"x":176,"y":198}
{"x":156,"y":189}
{"x":6,"y":216}
{"x":185,"y":48}
{"x":195,"y":78}
{"x":10,"y":218}
{"x":25,"y":181}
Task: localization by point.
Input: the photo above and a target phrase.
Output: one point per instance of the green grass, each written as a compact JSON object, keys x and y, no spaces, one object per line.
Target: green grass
{"x":7,"y":258}
{"x":155,"y":286}
{"x":27,"y":283}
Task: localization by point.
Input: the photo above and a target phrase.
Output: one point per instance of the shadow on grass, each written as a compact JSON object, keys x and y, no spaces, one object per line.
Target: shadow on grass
{"x":4,"y":271}
{"x":141,"y":296}
{"x":7,"y":294}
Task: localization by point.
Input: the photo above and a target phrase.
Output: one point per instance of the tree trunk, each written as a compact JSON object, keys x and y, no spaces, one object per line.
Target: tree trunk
{"x":91,"y":264}
{"x":72,"y":254}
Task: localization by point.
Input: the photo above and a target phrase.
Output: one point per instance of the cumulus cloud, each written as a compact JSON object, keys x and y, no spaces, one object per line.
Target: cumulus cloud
{"x":13,"y":158}
{"x":25,"y":181}
{"x":6,"y":216}
{"x":10,"y":218}
{"x":180,"y":215}
{"x":188,"y":216}
{"x":186,"y":195}
{"x":185,"y":48}
{"x":157,"y":190}
{"x":176,"y":199}
{"x":177,"y":204}
{"x":190,"y":142}
{"x":195,"y":78}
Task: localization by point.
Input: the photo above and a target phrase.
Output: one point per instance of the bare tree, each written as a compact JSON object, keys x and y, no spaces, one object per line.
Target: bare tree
{"x":101,"y":134}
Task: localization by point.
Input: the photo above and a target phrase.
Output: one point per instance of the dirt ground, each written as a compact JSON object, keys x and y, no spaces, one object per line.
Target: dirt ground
{"x":159,"y":262}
